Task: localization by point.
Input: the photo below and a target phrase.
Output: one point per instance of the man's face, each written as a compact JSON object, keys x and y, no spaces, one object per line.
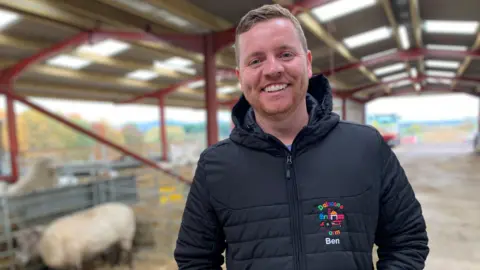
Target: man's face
{"x":273,"y":68}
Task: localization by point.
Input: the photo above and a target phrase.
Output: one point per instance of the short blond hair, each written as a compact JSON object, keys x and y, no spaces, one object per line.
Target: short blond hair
{"x":265,"y":13}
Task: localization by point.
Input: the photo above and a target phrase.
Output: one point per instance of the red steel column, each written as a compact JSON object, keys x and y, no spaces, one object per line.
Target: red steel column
{"x":364,"y":113}
{"x":163,"y":128}
{"x":12,"y":136}
{"x":344,"y":109}
{"x":210,"y":89}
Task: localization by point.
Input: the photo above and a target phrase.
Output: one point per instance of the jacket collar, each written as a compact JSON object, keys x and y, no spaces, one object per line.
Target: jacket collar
{"x":321,"y":120}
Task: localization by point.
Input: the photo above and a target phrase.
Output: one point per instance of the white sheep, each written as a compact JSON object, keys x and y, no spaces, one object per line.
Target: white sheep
{"x":76,"y":239}
{"x":41,"y":175}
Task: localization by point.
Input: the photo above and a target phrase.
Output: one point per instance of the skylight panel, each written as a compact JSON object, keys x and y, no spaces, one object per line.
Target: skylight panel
{"x":68,"y":61}
{"x":196,"y":84}
{"x":7,"y":18}
{"x":178,"y":61}
{"x":400,"y":83}
{"x":446,"y":47}
{"x":177,"y":64}
{"x":226,"y":89}
{"x":340,"y":8}
{"x":395,"y":77}
{"x":440,"y":73}
{"x":450,"y":27}
{"x":379,"y":54}
{"x":442,"y":64}
{"x":368,"y":37}
{"x":413,"y":72}
{"x":404,"y":40}
{"x":142,"y":75}
{"x":107,"y":47}
{"x":439,"y":81}
{"x":389,"y":69}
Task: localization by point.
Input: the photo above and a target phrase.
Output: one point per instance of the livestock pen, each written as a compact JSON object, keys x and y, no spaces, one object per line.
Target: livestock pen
{"x":157,"y":198}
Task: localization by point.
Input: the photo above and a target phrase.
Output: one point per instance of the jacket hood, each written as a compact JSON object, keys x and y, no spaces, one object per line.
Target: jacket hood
{"x":321,"y":120}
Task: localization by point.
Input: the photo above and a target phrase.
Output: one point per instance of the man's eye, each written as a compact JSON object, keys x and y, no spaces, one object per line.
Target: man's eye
{"x":287,"y":54}
{"x":254,"y":62}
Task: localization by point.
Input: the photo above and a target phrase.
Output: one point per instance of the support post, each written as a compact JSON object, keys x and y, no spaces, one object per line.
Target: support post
{"x":344,"y":109}
{"x":163,"y":128}
{"x":364,"y":113}
{"x":210,"y":89}
{"x":12,"y":136}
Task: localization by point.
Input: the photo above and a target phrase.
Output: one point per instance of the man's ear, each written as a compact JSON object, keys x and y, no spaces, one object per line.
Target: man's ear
{"x":237,"y":73}
{"x":309,"y":63}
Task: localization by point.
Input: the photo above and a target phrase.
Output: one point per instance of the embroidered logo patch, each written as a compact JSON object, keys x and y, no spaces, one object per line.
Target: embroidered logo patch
{"x":331,"y":217}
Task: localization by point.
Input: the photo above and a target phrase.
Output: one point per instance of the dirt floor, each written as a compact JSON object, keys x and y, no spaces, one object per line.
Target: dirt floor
{"x":446,"y":179}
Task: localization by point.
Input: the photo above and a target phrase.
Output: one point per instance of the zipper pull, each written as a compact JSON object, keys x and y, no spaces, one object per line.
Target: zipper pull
{"x":289,"y":159}
{"x":289,"y":162}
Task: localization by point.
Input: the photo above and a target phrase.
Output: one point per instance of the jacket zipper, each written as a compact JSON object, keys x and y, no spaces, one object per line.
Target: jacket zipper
{"x":297,"y":236}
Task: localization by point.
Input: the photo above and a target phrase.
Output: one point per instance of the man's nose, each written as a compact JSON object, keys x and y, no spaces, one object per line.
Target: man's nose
{"x":273,"y":67}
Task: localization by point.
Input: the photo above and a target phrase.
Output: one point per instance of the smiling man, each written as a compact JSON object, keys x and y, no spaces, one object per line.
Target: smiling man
{"x":294,"y":187}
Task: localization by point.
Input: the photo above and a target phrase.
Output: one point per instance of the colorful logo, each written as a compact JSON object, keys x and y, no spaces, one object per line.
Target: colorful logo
{"x":331,"y":217}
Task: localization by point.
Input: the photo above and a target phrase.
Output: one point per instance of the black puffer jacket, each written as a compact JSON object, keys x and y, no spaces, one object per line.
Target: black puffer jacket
{"x":321,"y":206}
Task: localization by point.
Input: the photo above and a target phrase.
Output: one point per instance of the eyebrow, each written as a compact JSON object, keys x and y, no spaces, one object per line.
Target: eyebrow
{"x":258,"y":53}
{"x":287,"y":47}
{"x":253,"y":54}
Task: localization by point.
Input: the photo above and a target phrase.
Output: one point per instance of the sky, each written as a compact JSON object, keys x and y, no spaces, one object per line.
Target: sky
{"x":414,"y":108}
{"x":427,"y":108}
{"x":118,"y":114}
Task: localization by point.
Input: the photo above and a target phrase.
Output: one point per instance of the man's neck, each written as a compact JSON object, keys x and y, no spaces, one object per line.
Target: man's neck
{"x":285,"y":127}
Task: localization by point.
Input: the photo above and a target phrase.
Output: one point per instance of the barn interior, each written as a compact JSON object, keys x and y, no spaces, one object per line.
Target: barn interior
{"x":162,"y":54}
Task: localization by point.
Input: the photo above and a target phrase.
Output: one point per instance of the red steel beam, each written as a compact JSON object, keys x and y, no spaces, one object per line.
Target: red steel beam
{"x":12,"y":137}
{"x":163,"y":128}
{"x":210,"y":90}
{"x":11,"y":73}
{"x":223,"y":39}
{"x":93,"y":135}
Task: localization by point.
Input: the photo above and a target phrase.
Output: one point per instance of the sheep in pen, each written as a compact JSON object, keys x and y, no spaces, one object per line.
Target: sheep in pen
{"x":75,"y":240}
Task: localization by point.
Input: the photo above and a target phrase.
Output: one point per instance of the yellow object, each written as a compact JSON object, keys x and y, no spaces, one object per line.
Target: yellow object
{"x":167,"y":189}
{"x":176,"y":197}
{"x":163,"y":199}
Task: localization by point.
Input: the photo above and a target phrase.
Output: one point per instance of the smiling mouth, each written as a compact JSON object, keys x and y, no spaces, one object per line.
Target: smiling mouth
{"x":275,"y":87}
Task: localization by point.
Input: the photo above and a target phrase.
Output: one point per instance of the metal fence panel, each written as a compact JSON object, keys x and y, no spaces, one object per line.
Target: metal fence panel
{"x":46,"y":205}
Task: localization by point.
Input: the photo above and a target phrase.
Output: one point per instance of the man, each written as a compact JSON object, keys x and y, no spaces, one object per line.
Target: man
{"x":293,"y":187}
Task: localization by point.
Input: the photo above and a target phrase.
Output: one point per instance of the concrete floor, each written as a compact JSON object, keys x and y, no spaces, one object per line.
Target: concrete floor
{"x":446,"y":179}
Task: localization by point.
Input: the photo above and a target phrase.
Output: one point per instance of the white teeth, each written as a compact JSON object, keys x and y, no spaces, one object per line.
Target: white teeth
{"x":275,"y":87}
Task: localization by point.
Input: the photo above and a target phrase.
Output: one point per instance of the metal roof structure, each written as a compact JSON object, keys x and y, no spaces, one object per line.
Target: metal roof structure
{"x":150,"y":45}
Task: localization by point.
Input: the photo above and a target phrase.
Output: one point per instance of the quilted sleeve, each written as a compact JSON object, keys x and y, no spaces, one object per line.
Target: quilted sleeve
{"x":200,"y":241}
{"x":401,"y":234}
